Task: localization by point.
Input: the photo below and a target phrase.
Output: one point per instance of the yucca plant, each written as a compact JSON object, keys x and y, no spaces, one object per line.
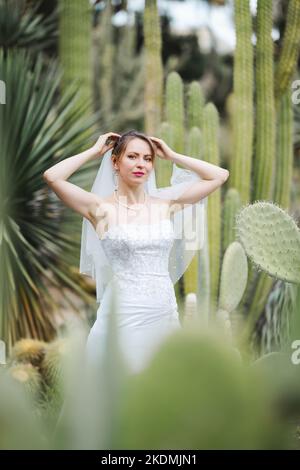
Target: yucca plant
{"x":21,"y":26}
{"x":37,"y":241}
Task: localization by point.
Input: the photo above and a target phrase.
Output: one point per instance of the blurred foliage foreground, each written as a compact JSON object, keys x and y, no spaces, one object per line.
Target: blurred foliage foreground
{"x":197,"y":392}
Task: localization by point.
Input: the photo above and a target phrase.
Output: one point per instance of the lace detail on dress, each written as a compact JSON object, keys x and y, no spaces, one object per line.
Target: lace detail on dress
{"x":139,"y":256}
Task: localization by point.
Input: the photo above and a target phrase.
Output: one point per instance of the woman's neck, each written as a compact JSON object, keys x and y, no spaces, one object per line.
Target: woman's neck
{"x":130,"y":195}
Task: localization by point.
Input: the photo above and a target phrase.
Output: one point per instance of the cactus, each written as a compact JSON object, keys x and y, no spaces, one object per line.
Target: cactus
{"x":264,"y":162}
{"x":75,"y":24}
{"x":272,"y":173}
{"x":271,"y":240}
{"x":195,"y":105}
{"x":211,"y":154}
{"x":51,"y":366}
{"x":153,"y":68}
{"x":163,"y":169}
{"x":174,"y":109}
{"x":285,"y":154}
{"x":28,"y":376}
{"x":28,"y":350}
{"x":290,"y":50}
{"x":223,"y":389}
{"x":232,"y":204}
{"x":232,"y":286}
{"x":194,"y":150}
{"x":107,"y":53}
{"x":240,"y":168}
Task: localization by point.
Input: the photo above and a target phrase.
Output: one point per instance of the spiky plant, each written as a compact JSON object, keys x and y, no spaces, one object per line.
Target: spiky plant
{"x":28,"y":376}
{"x":51,"y":366}
{"x":37,"y":242}
{"x":22,"y":27}
{"x":28,"y":350}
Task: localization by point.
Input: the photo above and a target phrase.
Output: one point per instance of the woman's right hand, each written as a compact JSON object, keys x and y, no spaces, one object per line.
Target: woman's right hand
{"x":105,"y":142}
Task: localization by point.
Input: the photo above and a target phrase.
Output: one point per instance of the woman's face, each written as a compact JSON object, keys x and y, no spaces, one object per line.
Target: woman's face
{"x":135,"y":164}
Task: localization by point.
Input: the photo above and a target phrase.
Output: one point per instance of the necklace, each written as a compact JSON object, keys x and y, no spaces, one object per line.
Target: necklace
{"x":128,"y":207}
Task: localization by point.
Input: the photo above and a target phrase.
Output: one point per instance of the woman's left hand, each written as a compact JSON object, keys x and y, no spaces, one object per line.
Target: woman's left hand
{"x":162,"y":149}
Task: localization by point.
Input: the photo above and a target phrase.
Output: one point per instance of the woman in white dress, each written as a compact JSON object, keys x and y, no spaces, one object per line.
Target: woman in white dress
{"x":134,"y":244}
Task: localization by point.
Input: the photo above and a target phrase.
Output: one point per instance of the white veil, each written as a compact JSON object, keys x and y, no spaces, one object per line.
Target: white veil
{"x":188,"y":224}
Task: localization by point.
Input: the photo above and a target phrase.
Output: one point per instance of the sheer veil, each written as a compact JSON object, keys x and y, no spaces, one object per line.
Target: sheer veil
{"x":189,"y":225}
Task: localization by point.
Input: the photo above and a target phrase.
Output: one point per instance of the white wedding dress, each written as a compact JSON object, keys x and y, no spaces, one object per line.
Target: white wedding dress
{"x":146,"y":310}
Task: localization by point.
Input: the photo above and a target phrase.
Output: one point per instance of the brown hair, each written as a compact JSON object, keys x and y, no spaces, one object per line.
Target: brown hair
{"x":121,"y":144}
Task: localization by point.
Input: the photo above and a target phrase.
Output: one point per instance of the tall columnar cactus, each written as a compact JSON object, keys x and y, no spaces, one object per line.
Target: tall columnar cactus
{"x":290,"y":50}
{"x":75,"y":25}
{"x":231,"y":206}
{"x":106,"y":51}
{"x":174,"y":109}
{"x":212,"y":155}
{"x":264,"y":159}
{"x":273,"y":166}
{"x":163,"y":168}
{"x":260,"y":284}
{"x":194,"y":150}
{"x":195,"y":105}
{"x":240,"y":168}
{"x":153,"y":68}
{"x":285,"y":154}
{"x":194,"y":147}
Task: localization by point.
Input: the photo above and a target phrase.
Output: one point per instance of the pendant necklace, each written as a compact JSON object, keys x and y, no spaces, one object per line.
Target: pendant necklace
{"x":128,"y":207}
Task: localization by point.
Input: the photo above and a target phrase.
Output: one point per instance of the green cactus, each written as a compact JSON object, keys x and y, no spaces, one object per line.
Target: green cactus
{"x":264,"y":161}
{"x":163,"y":169}
{"x":211,"y":154}
{"x":153,"y":68}
{"x":75,"y":24}
{"x":219,"y":394}
{"x":272,"y":173}
{"x":174,"y":109}
{"x":194,"y":150}
{"x":290,"y":50}
{"x":233,"y":277}
{"x":28,"y":376}
{"x":52,"y":364}
{"x":194,"y":147}
{"x":195,"y":105}
{"x":243,"y":115}
{"x":233,"y":283}
{"x":232,"y":204}
{"x":285,"y":152}
{"x":107,"y":53}
{"x":271,"y":240}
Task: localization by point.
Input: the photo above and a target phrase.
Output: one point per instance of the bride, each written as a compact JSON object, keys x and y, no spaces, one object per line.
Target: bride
{"x":137,"y":239}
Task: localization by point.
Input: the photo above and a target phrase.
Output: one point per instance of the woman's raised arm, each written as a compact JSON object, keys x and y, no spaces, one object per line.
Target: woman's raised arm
{"x":83,"y":202}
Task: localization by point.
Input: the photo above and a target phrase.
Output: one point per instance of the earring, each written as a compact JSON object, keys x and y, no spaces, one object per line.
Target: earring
{"x":116,"y":183}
